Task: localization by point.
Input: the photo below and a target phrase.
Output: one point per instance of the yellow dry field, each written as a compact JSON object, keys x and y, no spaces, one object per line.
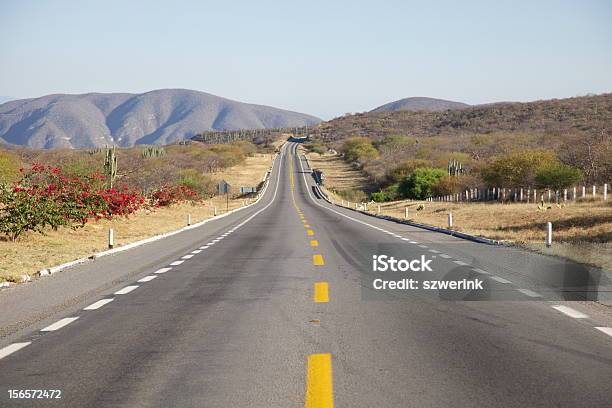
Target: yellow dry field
{"x":248,"y":174}
{"x":582,"y":230}
{"x":34,"y":251}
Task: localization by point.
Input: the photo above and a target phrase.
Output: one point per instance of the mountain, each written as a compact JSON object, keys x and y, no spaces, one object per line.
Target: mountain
{"x":4,"y":98}
{"x":157,"y":117}
{"x":419,"y":104}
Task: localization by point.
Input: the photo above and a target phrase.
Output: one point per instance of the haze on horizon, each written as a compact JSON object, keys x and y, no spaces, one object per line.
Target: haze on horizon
{"x":317,"y":58}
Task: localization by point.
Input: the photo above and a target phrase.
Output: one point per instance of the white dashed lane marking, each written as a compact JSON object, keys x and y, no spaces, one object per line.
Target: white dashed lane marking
{"x":147,"y":278}
{"x":187,"y":256}
{"x":460,"y":263}
{"x":205,"y":247}
{"x":607,"y":330}
{"x":529,"y":293}
{"x":423,"y":246}
{"x":176,"y":263}
{"x":98,"y":304}
{"x":126,"y":290}
{"x":59,"y":324}
{"x":11,"y":348}
{"x":480,"y":271}
{"x":500,"y":280}
{"x":445,"y":256}
{"x":197,"y":251}
{"x":433,"y":251}
{"x":568,"y":311}
{"x":162,"y":270}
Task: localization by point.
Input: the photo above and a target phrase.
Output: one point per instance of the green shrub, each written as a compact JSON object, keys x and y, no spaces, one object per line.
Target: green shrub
{"x":419,"y":184}
{"x":517,"y":169}
{"x":389,"y":193}
{"x":359,"y":149}
{"x":557,"y":176}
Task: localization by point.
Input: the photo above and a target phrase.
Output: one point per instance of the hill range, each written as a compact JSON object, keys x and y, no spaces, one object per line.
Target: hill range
{"x":158,"y":117}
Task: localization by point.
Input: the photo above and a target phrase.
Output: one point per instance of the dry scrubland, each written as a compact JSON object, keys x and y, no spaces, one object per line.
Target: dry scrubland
{"x":35,"y":251}
{"x":582,"y":230}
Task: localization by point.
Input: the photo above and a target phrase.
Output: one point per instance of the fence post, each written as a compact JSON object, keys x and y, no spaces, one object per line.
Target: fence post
{"x":548,"y":234}
{"x":450,"y":220}
{"x":111,"y":238}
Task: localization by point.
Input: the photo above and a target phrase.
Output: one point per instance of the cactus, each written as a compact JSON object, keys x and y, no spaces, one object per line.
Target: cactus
{"x":110,"y":165}
{"x":455,"y":168}
{"x":153,"y":151}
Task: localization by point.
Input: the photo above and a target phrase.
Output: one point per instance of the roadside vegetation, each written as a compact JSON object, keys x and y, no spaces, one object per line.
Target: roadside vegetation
{"x":56,"y":206}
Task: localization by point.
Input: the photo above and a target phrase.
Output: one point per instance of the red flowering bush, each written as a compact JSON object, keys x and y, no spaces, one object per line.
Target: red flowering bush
{"x":45,"y":197}
{"x":168,"y":195}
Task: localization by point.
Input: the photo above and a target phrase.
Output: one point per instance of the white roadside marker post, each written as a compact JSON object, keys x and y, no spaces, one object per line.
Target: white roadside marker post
{"x":188,"y":219}
{"x":565,"y":194}
{"x":111,"y":238}
{"x":605,"y":192}
{"x":574,"y":195}
{"x":450,"y":220}
{"x":406,"y":212}
{"x":594,"y":190}
{"x":583,"y":191}
{"x":215,"y":212}
{"x":549,"y":234}
{"x":378,"y":211}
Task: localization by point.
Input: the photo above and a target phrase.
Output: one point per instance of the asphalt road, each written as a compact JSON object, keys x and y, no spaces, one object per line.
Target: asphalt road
{"x":273,"y":306}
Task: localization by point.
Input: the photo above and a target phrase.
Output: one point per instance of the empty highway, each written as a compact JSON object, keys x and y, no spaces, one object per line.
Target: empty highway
{"x":274,"y":306}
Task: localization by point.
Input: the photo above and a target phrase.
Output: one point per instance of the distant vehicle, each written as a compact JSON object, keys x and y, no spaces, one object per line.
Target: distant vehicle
{"x":318,"y":176}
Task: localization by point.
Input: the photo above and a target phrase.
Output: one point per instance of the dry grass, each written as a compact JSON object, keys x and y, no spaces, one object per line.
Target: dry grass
{"x":341,"y":179}
{"x":248,"y":174}
{"x":582,"y":231}
{"x":35,"y":252}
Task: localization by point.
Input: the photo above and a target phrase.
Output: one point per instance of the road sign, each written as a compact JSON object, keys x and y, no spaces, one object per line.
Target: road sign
{"x":246,"y":190}
{"x":224,"y":187}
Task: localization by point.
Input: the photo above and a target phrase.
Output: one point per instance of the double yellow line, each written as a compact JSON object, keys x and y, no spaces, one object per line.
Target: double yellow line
{"x":319,"y":378}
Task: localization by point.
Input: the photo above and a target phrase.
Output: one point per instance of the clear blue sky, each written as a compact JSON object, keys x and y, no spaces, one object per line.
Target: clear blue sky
{"x":320,"y":57}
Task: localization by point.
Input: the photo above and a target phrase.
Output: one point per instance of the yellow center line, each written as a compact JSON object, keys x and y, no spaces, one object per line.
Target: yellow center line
{"x":321,"y":292}
{"x":317,"y":260}
{"x":310,"y":232}
{"x":306,"y":226}
{"x":319,"y":382}
{"x":314,"y":243}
